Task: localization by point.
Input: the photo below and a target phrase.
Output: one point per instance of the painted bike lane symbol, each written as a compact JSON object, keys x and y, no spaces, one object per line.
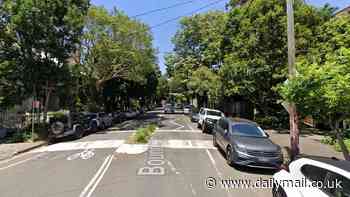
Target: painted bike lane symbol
{"x":86,"y":154}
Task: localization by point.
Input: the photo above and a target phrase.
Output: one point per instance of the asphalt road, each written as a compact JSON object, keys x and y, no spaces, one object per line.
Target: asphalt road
{"x":179,"y":161}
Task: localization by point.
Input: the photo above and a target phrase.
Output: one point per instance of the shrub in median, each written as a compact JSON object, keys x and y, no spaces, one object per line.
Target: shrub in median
{"x":142,"y":135}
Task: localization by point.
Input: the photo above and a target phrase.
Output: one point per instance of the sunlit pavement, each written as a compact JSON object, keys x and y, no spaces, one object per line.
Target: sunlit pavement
{"x":179,"y":161}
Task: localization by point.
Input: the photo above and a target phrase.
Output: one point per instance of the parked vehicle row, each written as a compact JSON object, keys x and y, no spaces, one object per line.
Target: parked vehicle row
{"x":79,"y":123}
{"x":208,"y":118}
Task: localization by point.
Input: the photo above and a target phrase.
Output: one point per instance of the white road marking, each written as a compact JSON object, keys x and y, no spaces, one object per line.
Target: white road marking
{"x":158,"y":130}
{"x":192,"y":190}
{"x":86,"y":154}
{"x":95,"y":177}
{"x":20,"y":162}
{"x":214,"y":163}
{"x":217,"y":170}
{"x":177,"y":124}
{"x":132,"y":148}
{"x":67,"y":146}
{"x":186,"y":144}
{"x":172,"y":167}
{"x":100,"y":177}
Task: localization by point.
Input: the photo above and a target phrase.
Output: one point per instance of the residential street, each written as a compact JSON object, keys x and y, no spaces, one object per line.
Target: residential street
{"x":180,"y":157}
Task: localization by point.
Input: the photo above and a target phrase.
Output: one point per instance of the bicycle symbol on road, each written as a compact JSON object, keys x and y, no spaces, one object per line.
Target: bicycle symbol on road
{"x":86,"y":154}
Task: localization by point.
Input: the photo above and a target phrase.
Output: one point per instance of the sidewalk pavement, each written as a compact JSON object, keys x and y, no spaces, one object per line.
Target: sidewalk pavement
{"x":9,"y":150}
{"x":310,"y":144}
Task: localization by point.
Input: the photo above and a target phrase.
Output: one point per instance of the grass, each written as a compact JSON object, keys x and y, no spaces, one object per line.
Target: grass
{"x":347,"y":144}
{"x":142,"y":135}
{"x":333,"y":142}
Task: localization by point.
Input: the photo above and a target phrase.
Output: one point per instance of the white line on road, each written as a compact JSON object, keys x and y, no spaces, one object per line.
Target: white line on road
{"x":193,"y":191}
{"x":100,"y":177}
{"x":20,"y":162}
{"x":214,"y":163}
{"x":177,"y":124}
{"x":96,"y":176}
{"x":217,"y":170}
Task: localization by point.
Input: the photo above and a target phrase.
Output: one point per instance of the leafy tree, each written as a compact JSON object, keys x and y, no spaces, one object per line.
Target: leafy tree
{"x":120,"y":58}
{"x":255,"y":48}
{"x":36,"y":39}
{"x":205,"y":85}
{"x":200,"y":38}
{"x":322,"y":88}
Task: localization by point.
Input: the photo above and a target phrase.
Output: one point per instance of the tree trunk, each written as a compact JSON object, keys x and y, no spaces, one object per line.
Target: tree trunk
{"x":48,"y":91}
{"x":341,"y":143}
{"x":294,"y":131}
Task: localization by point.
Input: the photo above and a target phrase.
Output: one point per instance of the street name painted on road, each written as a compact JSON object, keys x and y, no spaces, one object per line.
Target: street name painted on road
{"x":155,"y":161}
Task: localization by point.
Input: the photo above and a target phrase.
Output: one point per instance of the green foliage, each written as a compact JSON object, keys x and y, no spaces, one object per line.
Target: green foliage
{"x":119,"y":59}
{"x":347,"y":144}
{"x":255,"y":45}
{"x":25,"y":134}
{"x":142,"y":135}
{"x":36,"y":39}
{"x":322,"y":88}
{"x":197,"y":45}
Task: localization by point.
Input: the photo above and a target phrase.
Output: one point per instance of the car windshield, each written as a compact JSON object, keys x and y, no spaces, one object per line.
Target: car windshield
{"x":248,"y":130}
{"x":213,"y":113}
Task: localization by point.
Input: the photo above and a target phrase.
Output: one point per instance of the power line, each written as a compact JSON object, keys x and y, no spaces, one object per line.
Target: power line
{"x":164,"y":8}
{"x":190,"y":13}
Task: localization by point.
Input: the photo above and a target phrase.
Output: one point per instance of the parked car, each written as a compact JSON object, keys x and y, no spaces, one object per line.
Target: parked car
{"x":131,"y":114}
{"x":187,"y":109}
{"x":315,"y":171}
{"x":99,"y":121}
{"x":118,"y":117}
{"x":208,"y":118}
{"x":194,"y":117}
{"x":169,"y":108}
{"x":245,"y":143}
{"x":72,"y":124}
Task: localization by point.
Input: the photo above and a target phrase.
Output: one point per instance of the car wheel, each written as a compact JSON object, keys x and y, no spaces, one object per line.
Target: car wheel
{"x":94,"y":127}
{"x":215,"y":143}
{"x":79,"y":133}
{"x":103,"y":126}
{"x":229,"y":156}
{"x":204,"y":128}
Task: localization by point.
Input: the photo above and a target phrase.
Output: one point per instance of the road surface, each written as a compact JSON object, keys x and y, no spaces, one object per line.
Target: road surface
{"x":178,"y":161}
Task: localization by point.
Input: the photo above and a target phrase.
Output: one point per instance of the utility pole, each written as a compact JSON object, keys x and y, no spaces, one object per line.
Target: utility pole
{"x":293,"y":115}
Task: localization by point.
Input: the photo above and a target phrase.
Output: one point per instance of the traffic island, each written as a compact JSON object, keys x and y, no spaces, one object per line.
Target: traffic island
{"x":142,"y":135}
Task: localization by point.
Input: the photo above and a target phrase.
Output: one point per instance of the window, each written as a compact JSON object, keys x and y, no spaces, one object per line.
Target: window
{"x":329,"y":179}
{"x":213,"y":113}
{"x":313,"y":173}
{"x":248,"y":130}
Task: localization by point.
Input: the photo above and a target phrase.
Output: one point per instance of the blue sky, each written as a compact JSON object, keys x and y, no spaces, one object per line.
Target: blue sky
{"x":163,"y":34}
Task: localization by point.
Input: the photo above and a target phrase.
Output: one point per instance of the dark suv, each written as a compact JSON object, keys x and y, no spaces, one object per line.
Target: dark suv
{"x":245,"y":143}
{"x":71,"y":124}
